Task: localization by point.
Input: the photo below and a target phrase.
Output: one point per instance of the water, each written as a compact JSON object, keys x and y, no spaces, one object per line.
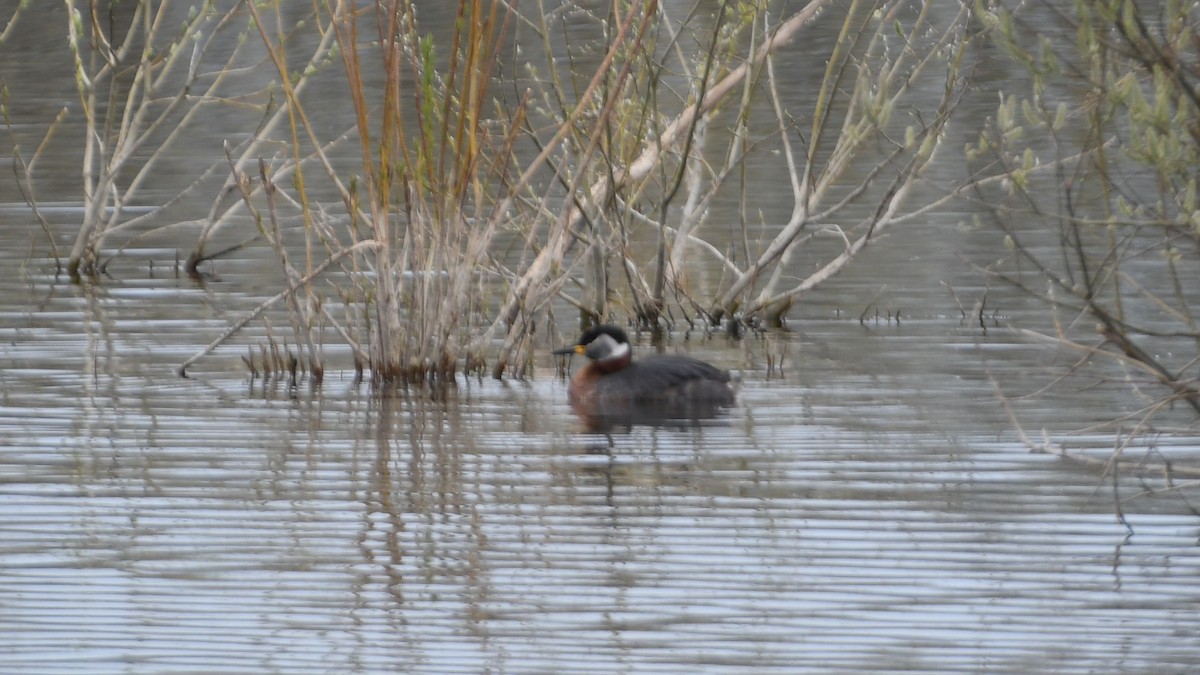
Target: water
{"x":866,"y":507}
{"x":844,"y":516}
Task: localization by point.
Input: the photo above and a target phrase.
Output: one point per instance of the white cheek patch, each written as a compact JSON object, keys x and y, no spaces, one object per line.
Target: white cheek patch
{"x":605,"y":348}
{"x":619,"y":350}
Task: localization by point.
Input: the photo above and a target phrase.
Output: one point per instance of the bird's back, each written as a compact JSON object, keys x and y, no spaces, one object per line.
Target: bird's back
{"x":665,"y":379}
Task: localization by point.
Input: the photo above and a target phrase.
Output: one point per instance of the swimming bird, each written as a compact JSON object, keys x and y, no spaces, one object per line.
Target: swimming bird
{"x":614,"y":388}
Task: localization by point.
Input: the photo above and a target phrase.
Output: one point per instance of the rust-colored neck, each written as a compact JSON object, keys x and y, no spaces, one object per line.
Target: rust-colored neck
{"x":614,"y":364}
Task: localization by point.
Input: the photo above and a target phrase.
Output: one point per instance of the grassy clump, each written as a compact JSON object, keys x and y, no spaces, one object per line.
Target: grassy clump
{"x":493,"y":184}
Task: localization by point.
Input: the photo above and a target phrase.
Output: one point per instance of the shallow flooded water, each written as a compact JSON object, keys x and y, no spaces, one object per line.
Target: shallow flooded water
{"x":866,"y":509}
{"x":868,"y":505}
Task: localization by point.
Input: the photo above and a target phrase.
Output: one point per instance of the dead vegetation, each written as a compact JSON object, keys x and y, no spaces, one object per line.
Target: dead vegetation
{"x":494,"y":185}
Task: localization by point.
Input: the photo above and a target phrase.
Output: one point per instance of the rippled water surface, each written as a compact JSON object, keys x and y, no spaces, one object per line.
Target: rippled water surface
{"x":867,"y":506}
{"x":866,"y":509}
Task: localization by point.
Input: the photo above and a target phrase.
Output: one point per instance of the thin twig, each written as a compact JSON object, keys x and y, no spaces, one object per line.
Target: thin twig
{"x":367,"y":244}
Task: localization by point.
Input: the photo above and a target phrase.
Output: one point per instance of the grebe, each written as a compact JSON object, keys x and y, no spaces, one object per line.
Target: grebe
{"x":613,"y":388}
